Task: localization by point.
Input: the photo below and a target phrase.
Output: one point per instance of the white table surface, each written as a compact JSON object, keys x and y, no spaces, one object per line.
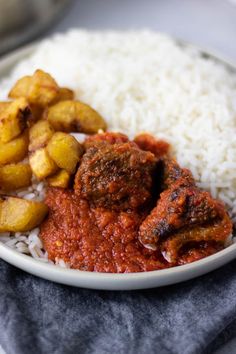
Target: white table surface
{"x":209,"y":23}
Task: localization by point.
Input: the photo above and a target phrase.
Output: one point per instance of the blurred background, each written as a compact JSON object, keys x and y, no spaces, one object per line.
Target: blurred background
{"x":209,"y":23}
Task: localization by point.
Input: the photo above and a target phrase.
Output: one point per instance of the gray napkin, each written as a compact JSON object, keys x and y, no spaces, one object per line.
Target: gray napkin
{"x":37,"y":316}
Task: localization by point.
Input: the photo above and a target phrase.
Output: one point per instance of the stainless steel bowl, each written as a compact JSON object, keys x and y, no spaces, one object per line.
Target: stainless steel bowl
{"x":23,"y":20}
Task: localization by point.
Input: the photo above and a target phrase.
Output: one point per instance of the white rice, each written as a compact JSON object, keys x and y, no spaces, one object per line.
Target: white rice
{"x":144,"y":81}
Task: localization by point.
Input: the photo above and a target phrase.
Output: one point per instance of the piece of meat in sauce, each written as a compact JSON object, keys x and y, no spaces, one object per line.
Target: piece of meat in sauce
{"x":184,"y":214}
{"x":194,"y":252}
{"x":114,"y":174}
{"x":172,"y":172}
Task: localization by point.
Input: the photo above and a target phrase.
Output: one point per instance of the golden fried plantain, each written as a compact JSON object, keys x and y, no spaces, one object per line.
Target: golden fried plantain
{"x":21,"y":87}
{"x":60,"y":179}
{"x":19,"y":215}
{"x":3,"y":106}
{"x":75,"y":116}
{"x":13,"y":119}
{"x":15,"y":176}
{"x":39,"y":135}
{"x":40,"y":89}
{"x":42,"y":164}
{"x":15,"y":150}
{"x":37,"y":113}
{"x":64,"y":94}
{"x":65,"y":150}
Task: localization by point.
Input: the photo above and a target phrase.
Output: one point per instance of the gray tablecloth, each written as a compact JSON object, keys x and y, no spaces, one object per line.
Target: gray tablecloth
{"x":37,"y":316}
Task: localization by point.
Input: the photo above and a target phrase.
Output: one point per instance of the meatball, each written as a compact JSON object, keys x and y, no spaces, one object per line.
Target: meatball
{"x":117,"y":176}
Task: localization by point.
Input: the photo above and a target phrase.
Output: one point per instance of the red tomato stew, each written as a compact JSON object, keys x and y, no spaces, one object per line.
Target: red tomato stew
{"x":131,"y":208}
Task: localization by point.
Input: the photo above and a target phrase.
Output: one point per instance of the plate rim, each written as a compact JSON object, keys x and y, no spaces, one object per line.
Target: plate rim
{"x":117,"y":281}
{"x":113,"y":281}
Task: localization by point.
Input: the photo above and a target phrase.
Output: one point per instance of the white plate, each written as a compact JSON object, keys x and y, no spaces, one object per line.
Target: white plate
{"x":103,"y":280}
